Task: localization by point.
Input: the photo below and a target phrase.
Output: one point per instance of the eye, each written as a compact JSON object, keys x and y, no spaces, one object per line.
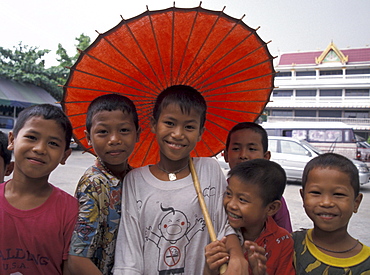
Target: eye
{"x":252,"y":149}
{"x":190,"y":127}
{"x":53,"y":143}
{"x":30,"y":137}
{"x":314,"y":192}
{"x":125,"y":130}
{"x":243,"y":200}
{"x":227,"y":193}
{"x":235,"y":149}
{"x":169,"y":123}
{"x":340,"y":195}
{"x":101,"y":131}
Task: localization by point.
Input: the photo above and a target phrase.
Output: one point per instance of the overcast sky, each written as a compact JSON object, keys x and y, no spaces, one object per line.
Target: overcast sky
{"x":292,"y":25}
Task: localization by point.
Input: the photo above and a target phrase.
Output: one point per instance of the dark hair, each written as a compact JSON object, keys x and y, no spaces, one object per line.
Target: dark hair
{"x":268,"y":175}
{"x":333,"y":161}
{"x":4,"y":152}
{"x":254,"y":127}
{"x":186,"y":97}
{"x":111,"y":102}
{"x":46,"y":111}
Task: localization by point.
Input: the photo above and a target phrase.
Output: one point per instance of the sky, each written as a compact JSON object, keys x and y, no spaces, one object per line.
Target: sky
{"x":290,"y":25}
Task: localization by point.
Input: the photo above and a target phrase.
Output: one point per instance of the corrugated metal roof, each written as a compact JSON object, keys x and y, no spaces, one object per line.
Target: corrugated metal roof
{"x":23,"y":95}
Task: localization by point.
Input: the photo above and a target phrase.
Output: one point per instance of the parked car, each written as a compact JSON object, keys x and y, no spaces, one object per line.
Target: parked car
{"x":363,"y":151}
{"x":293,"y":154}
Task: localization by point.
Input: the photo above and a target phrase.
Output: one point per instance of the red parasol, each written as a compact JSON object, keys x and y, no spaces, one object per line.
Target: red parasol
{"x":218,"y":55}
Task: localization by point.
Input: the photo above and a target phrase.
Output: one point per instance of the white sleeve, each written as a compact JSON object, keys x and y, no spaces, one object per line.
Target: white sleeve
{"x":129,"y":247}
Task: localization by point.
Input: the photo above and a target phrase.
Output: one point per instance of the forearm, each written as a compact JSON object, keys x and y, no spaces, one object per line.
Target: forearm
{"x":237,"y":263}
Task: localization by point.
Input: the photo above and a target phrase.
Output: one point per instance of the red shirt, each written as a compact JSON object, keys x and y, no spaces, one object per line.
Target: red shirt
{"x":279,"y":247}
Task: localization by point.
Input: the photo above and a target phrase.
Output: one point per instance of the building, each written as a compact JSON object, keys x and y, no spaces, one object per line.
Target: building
{"x":329,"y":85}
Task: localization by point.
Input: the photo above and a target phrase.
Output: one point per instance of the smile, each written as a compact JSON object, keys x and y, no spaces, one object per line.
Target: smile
{"x":174,"y":145}
{"x":233,"y":215}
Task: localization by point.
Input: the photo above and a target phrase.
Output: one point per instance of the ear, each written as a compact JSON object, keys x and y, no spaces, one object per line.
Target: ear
{"x":201,"y":133}
{"x":67,"y":153}
{"x":153,"y":123}
{"x":11,"y":141}
{"x":273,"y":207}
{"x":358,"y":202}
{"x":226,"y":155}
{"x":267,"y":155}
{"x":9,"y":168}
{"x":87,"y":135}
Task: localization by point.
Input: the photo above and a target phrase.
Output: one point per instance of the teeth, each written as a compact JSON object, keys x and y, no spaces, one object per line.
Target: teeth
{"x":234,"y":216}
{"x":326,"y":215}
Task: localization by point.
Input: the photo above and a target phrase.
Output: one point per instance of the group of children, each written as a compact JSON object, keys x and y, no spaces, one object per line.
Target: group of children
{"x":148,"y":220}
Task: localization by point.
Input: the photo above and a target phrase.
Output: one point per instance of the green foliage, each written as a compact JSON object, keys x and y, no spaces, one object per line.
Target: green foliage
{"x":27,"y":65}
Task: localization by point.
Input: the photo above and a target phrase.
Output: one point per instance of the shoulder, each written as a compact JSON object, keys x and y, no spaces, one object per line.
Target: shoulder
{"x":281,"y":235}
{"x":61,"y":197}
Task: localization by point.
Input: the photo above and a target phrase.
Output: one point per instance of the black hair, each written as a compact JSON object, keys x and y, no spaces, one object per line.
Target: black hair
{"x":111,"y":102}
{"x":186,"y":97}
{"x":334,"y":161}
{"x":46,"y":111}
{"x":254,"y":127}
{"x":4,"y":152}
{"x":268,"y":175}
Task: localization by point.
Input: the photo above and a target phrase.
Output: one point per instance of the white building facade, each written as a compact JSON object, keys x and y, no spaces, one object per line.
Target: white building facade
{"x":330,"y":85}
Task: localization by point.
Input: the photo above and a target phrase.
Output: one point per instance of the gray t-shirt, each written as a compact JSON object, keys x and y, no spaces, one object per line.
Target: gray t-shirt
{"x":162,"y":229}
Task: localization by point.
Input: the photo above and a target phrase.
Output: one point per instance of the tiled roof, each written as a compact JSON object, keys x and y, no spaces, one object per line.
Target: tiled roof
{"x":308,"y":58}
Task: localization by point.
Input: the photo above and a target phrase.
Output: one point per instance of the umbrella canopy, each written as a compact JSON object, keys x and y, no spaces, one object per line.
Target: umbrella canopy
{"x":220,"y":56}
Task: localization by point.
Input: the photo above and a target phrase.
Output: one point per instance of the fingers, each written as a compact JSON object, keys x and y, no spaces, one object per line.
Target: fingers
{"x":216,"y":255}
{"x":256,"y":257}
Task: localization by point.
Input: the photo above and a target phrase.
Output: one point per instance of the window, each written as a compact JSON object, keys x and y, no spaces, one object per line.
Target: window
{"x":273,"y":145}
{"x":332,"y":92}
{"x":331,"y":72}
{"x":358,"y":71}
{"x":357,"y":92}
{"x":282,"y":93}
{"x":306,"y":73}
{"x":305,"y":93}
{"x":325,"y":135}
{"x":282,"y":74}
{"x":289,"y":147}
{"x":305,"y":113}
{"x":330,"y":113}
{"x":356,"y":114}
{"x":282,"y":113}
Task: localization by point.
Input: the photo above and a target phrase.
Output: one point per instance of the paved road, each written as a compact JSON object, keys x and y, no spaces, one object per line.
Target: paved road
{"x":66,"y":177}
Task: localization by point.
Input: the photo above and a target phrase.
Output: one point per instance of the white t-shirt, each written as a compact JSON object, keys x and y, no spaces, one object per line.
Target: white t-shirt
{"x":162,"y":229}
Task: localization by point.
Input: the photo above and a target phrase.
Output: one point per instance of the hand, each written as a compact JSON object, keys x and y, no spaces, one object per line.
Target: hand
{"x":256,"y":257}
{"x":216,"y":255}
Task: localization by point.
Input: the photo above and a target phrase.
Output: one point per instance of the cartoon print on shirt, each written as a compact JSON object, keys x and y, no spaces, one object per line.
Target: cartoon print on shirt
{"x":175,"y":233}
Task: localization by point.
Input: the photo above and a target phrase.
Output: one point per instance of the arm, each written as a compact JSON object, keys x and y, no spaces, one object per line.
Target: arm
{"x":237,"y":263}
{"x":81,"y":266}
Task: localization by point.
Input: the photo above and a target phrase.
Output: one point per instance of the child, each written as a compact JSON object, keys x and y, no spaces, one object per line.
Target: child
{"x":112,"y":129}
{"x":330,"y":193}
{"x":246,"y":141}
{"x":252,"y":197}
{"x":6,"y":165}
{"x":36,"y":218}
{"x":162,"y":229}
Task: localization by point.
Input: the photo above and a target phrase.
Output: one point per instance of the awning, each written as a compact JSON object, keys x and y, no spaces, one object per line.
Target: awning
{"x":23,"y":95}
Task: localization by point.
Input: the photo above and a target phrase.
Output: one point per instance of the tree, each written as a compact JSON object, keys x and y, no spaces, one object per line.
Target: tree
{"x":26,"y":65}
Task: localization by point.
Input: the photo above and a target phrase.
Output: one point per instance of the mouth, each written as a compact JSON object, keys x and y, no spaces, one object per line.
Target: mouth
{"x":326,"y":216}
{"x":115,"y":152}
{"x":175,"y":145}
{"x":36,"y":160}
{"x":233,"y":216}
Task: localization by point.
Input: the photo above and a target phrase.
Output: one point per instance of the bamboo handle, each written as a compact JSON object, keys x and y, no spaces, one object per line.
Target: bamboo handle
{"x":203,"y":206}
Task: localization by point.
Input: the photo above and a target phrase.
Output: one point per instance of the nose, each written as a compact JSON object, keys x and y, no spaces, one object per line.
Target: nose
{"x":326,"y":201}
{"x":231,"y":203}
{"x":243,"y":154}
{"x":177,"y":132}
{"x":39,"y":147}
{"x":115,"y":139}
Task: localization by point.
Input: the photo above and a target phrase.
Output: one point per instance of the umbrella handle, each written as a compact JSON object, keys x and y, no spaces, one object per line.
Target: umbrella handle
{"x":203,"y":206}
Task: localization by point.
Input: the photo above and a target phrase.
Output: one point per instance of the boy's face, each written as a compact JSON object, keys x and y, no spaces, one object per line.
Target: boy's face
{"x":38,"y":148}
{"x":328,"y":199}
{"x":113,"y":136}
{"x":177,"y":133}
{"x":245,"y":144}
{"x":244,"y":205}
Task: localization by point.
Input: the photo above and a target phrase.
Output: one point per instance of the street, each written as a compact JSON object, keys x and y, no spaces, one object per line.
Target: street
{"x":67,"y":176}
